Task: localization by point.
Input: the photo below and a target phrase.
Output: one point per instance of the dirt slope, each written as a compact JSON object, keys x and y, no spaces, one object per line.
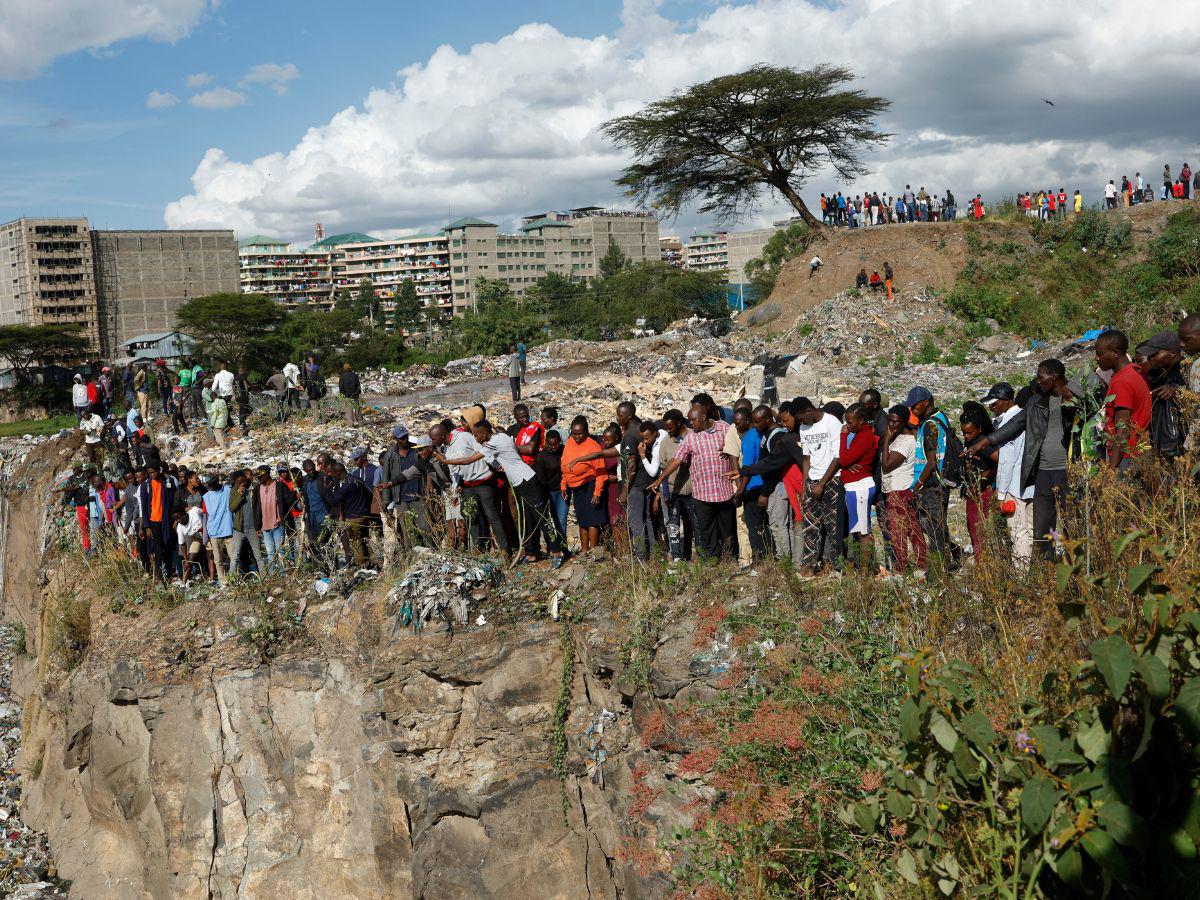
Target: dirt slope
{"x":922,"y":256}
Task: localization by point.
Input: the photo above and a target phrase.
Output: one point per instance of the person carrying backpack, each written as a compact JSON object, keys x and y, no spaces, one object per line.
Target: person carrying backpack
{"x":937,"y":470}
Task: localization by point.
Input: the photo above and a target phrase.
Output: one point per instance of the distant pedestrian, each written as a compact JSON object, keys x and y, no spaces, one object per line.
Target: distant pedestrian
{"x":814,"y":264}
{"x":888,"y":275}
{"x":521,"y":353}
{"x":350,"y":388}
{"x":79,"y":398}
{"x":515,"y":371}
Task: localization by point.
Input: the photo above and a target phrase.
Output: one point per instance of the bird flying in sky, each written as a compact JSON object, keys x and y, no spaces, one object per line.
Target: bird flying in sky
{"x":1047,"y":102}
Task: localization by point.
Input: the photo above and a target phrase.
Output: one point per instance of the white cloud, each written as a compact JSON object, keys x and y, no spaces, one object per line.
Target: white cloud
{"x":32,"y":34}
{"x":273,"y":75}
{"x":199,"y":79}
{"x":510,"y":126}
{"x":161,"y":100}
{"x":218,"y":98}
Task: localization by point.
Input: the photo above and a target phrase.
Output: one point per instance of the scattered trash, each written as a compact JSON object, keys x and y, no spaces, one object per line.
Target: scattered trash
{"x":321,"y":586}
{"x":26,"y":866}
{"x":596,"y":753}
{"x":439,"y":584}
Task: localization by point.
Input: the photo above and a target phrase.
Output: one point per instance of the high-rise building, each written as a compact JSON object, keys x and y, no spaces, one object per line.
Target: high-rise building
{"x":446,"y":267}
{"x":143,"y":277}
{"x":291,"y":275}
{"x":423,"y":259}
{"x":743,"y":246}
{"x":478,"y":250}
{"x":635,"y":232}
{"x":706,"y":252}
{"x":46,"y":276}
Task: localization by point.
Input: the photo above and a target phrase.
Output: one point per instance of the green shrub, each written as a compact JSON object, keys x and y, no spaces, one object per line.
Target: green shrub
{"x":1093,"y":785}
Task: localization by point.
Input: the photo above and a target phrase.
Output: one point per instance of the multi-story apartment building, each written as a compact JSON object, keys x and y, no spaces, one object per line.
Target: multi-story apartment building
{"x":47,"y":277}
{"x":423,"y":259}
{"x":478,"y":250}
{"x":446,"y":267}
{"x":291,"y":275}
{"x":143,"y":277}
{"x":670,"y":251}
{"x":706,"y":252}
{"x":635,"y":232}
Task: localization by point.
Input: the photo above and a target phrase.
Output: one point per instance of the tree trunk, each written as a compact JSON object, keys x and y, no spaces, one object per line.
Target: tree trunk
{"x":798,"y":204}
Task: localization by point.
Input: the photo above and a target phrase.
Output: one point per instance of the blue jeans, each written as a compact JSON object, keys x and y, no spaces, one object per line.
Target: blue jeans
{"x":274,"y":543}
{"x":558,"y":507}
{"x":912,"y":211}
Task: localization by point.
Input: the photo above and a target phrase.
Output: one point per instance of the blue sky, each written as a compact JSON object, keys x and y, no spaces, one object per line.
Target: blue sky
{"x":374,"y":128}
{"x":79,"y":139}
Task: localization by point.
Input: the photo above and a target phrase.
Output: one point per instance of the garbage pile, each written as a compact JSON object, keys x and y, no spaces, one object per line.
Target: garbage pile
{"x":415,"y":377}
{"x":441,"y":585}
{"x":13,"y":451}
{"x":26,"y":867}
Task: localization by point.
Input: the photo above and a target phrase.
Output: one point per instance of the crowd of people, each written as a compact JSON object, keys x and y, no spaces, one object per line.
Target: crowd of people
{"x":811,"y":484}
{"x":873,"y":208}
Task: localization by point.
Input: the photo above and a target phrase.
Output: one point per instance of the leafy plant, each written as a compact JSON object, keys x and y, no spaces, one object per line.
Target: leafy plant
{"x":1093,"y":787}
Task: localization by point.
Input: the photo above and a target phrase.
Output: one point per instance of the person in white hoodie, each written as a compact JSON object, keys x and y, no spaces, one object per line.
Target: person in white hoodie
{"x":79,"y":398}
{"x":1015,"y":504}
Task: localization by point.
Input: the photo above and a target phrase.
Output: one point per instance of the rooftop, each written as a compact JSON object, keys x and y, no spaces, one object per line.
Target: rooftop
{"x":466,"y":221}
{"x":261,"y":240}
{"x":350,"y":237}
{"x":544,"y":223}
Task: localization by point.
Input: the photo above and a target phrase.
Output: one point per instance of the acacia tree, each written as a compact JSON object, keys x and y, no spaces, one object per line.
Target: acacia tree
{"x":25,"y":346}
{"x":723,"y":141}
{"x":224,"y":325}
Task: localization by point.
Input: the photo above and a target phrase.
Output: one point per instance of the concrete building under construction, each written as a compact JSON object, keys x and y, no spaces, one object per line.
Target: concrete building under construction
{"x":143,"y":277}
{"x":46,"y":276}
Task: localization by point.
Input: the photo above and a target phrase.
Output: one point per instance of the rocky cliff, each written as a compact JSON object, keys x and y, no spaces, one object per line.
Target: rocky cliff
{"x":167,"y":756}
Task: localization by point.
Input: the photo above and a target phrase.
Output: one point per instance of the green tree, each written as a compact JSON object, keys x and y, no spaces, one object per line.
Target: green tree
{"x":550,"y":291}
{"x":226,"y":325}
{"x":613,"y":261}
{"x":784,"y":244}
{"x":723,"y":141}
{"x":28,"y":346}
{"x":407,"y":314}
{"x":316,"y":331}
{"x":365,"y":302}
{"x":492,"y":290}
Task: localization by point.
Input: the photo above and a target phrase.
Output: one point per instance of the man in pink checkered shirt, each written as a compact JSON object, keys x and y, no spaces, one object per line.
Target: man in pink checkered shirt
{"x":712,"y":491}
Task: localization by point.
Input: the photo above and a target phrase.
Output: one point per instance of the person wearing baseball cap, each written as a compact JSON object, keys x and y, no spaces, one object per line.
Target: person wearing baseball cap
{"x":1163,"y":371}
{"x":1001,"y":393}
{"x":932,"y":497}
{"x":1047,"y":422}
{"x":401,"y":494}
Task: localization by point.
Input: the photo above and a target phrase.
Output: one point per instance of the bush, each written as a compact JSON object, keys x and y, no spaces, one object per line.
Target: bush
{"x":1176,"y":252}
{"x":1093,"y":784}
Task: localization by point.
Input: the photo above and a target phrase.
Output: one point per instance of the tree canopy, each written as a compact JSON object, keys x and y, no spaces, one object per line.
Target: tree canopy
{"x":226,"y":325}
{"x":723,"y":141}
{"x":406,"y":311}
{"x":26,"y":346}
{"x":613,"y":261}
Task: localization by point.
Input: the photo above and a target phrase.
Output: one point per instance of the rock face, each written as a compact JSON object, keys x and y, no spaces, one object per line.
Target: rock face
{"x":363,"y":761}
{"x":432,"y":778}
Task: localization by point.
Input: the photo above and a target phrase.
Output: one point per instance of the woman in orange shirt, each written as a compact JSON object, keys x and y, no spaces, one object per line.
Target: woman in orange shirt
{"x":585,"y":483}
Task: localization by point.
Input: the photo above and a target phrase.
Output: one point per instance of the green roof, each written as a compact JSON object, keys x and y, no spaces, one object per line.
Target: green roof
{"x":351,"y":237}
{"x":545,"y":223}
{"x":261,"y":240}
{"x":468,"y":220}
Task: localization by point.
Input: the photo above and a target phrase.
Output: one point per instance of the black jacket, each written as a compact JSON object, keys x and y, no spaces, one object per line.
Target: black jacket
{"x":349,"y":386}
{"x":352,"y":496}
{"x":777,"y":455}
{"x":1034,"y":421}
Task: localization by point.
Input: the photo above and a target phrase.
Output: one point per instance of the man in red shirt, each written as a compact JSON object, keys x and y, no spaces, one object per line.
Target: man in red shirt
{"x":1127,"y":406}
{"x":1062,"y":203}
{"x":529,"y":436}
